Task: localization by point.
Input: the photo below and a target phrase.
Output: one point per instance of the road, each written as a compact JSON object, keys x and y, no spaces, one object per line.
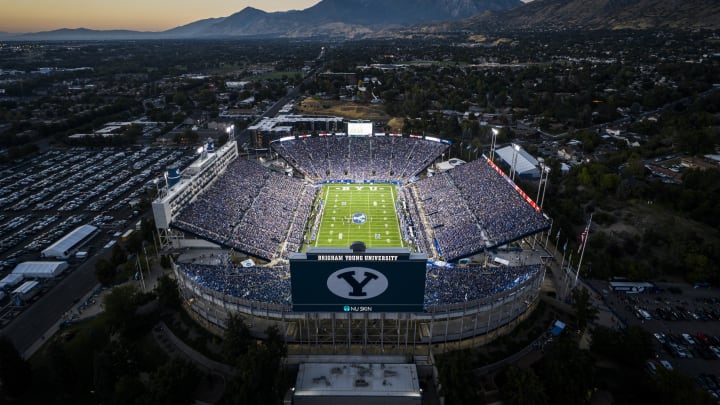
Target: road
{"x":32,"y":324}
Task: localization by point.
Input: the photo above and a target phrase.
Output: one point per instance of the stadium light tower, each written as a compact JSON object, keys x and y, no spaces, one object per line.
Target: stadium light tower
{"x":541,"y":191}
{"x":231,"y":131}
{"x":541,"y":163}
{"x":546,"y":169}
{"x":516,"y":149}
{"x":492,"y":145}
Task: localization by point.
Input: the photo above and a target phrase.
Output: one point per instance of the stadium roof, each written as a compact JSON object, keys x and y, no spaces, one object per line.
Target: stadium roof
{"x":526,"y":164}
{"x":284,"y":123}
{"x":357,"y":380}
{"x":62,"y":247}
{"x":40,"y":269}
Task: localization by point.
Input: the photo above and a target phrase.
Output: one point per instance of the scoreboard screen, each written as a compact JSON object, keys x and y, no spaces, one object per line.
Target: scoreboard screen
{"x":355,"y":128}
{"x":343,"y":280}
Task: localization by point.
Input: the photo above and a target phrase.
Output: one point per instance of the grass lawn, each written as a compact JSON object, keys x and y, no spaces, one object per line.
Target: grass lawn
{"x":359,"y":212}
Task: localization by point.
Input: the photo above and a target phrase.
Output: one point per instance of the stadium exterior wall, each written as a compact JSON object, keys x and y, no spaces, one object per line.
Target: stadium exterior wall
{"x":478,"y":321}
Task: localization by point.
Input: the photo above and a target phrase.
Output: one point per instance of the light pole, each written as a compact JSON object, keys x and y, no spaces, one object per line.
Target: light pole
{"x":546,"y":169}
{"x":540,"y":163}
{"x":516,"y":149}
{"x":537,"y":199}
{"x":492,"y":145}
{"x":231,"y":132}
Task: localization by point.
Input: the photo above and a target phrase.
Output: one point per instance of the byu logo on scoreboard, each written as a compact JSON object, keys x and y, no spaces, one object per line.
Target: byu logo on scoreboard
{"x":359,"y":218}
{"x":357,"y":283}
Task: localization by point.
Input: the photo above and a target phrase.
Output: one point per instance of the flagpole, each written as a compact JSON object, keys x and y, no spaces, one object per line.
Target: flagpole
{"x":567,"y":271}
{"x":547,"y":236}
{"x":587,"y":235}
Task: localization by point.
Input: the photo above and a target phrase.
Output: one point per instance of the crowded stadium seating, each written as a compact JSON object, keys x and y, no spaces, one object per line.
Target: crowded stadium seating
{"x":443,"y":285}
{"x":359,"y":158}
{"x":451,"y":215}
{"x":252,"y":209}
{"x":472,"y":208}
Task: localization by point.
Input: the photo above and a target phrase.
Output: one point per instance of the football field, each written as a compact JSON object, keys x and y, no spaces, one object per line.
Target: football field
{"x":359,"y":212}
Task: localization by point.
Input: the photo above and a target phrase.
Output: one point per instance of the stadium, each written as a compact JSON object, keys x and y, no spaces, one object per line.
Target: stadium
{"x":444,"y":256}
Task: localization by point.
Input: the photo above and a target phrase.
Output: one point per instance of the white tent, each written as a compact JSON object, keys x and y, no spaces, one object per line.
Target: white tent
{"x":40,"y":269}
{"x":27,"y":290}
{"x":11,"y":280}
{"x":63,"y":248}
{"x":525,"y":164}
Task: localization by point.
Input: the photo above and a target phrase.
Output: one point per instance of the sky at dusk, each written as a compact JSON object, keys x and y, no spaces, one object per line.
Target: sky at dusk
{"x":138,"y":15}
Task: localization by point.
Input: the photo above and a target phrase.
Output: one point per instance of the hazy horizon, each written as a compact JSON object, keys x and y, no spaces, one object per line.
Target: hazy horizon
{"x":22,"y":16}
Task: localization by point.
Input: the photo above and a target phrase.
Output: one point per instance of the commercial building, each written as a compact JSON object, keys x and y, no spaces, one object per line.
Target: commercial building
{"x":357,"y":383}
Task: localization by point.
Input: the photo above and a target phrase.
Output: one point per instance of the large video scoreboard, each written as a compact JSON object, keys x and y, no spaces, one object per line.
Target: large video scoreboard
{"x":358,"y":280}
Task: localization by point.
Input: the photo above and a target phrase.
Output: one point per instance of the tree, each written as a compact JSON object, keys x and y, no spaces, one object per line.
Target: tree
{"x":260,"y":375}
{"x":134,"y":243}
{"x":567,"y":372}
{"x":105,"y":272}
{"x":523,"y":387}
{"x":631,"y":347}
{"x":585,"y":311}
{"x":675,"y":388}
{"x":129,"y":390}
{"x":119,"y":255}
{"x":62,"y":370}
{"x":456,"y":377}
{"x":120,"y":308}
{"x":275,"y":344}
{"x":174,"y":383}
{"x":15,"y":372}
{"x":165,"y":262}
{"x":115,"y":361}
{"x":237,"y":340}
{"x":168,"y":293}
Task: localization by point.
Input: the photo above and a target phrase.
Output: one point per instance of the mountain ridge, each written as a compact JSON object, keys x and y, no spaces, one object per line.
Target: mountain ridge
{"x":604,"y":14}
{"x":329,"y":18}
{"x":357,"y":19}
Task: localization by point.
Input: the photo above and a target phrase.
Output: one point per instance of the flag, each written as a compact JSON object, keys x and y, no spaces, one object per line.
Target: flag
{"x":583,"y":236}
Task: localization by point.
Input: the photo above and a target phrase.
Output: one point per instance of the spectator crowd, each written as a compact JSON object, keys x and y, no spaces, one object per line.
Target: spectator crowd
{"x":252,"y":209}
{"x":443,"y":285}
{"x":451,"y":215}
{"x":472,"y":208}
{"x":359,"y":158}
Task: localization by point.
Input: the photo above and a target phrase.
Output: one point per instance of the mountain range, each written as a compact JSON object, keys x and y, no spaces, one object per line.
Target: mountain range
{"x":355,"y":19}
{"x":601,"y":14}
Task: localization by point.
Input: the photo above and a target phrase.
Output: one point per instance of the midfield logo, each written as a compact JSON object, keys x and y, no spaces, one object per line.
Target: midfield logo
{"x":359,"y":218}
{"x":357,"y":283}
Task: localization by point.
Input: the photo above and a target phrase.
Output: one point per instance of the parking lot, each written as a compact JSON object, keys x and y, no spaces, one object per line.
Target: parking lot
{"x":684,"y":322}
{"x":44,"y":198}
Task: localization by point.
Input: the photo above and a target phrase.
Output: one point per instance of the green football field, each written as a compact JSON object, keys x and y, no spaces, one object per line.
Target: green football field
{"x":359,"y":212}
